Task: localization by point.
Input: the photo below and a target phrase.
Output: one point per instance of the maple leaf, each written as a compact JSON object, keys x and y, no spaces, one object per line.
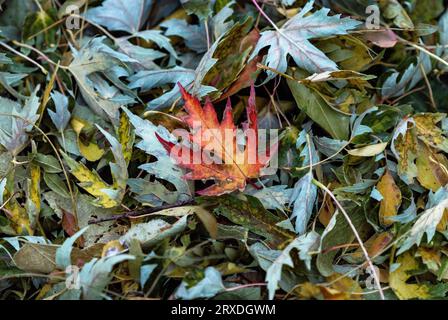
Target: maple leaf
{"x":216,"y":147}
{"x":293,"y":39}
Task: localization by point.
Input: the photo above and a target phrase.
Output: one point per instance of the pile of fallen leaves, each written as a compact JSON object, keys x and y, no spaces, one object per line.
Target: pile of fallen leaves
{"x":98,"y":199}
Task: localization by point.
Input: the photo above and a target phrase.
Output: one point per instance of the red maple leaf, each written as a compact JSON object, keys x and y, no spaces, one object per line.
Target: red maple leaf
{"x":211,"y":151}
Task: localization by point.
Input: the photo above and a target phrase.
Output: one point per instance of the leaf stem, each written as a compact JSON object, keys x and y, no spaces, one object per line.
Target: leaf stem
{"x":44,"y":71}
{"x":429,"y":53}
{"x":265,"y":15}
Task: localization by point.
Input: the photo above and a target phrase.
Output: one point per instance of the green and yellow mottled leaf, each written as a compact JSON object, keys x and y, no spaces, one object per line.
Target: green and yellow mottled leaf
{"x":90,"y":151}
{"x":432,"y":168}
{"x":429,"y":132}
{"x":126,"y":136}
{"x":398,"y":280}
{"x":91,"y":182}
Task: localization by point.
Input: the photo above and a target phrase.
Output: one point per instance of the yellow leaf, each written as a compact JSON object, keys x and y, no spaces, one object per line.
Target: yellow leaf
{"x":33,"y":203}
{"x":342,"y":289}
{"x":111,"y":248}
{"x":406,"y":147}
{"x":368,"y":151}
{"x":43,"y":292}
{"x":19,"y":218}
{"x":429,"y":132}
{"x":398,"y":278}
{"x":431,"y":167}
{"x":89,"y":151}
{"x":430,"y":257}
{"x":391,"y":198}
{"x":91,"y":182}
{"x":308,"y":290}
{"x":126,"y":136}
{"x":34,"y":188}
{"x":47,"y":92}
{"x":443,"y":224}
{"x":14,"y":211}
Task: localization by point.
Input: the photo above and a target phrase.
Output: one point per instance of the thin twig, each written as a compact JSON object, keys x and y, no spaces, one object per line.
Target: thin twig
{"x":260,"y":284}
{"x":140,"y":213}
{"x":207,"y":33}
{"x":407,"y":94}
{"x":44,"y":71}
{"x":358,"y":238}
{"x":431,"y":95}
{"x":40,"y":53}
{"x":429,"y":53}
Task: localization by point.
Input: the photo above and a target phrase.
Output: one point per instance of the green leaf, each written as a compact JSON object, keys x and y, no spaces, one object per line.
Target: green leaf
{"x":392,"y":9}
{"x":164,"y":168}
{"x":396,"y":83}
{"x":55,"y":183}
{"x":337,"y":232}
{"x":91,"y":63}
{"x":48,"y":162}
{"x":40,"y":23}
{"x":16,"y":122}
{"x":332,"y":121}
{"x":303,"y":197}
{"x":201,"y":8}
{"x":251,"y":214}
{"x":62,"y":116}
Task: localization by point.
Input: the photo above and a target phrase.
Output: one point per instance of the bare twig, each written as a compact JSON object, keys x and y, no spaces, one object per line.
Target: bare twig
{"x":44,"y":71}
{"x":358,"y":238}
{"x":140,"y":213}
{"x":431,"y":95}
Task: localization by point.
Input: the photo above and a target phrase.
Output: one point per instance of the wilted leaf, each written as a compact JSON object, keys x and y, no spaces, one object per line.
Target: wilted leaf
{"x":337,"y":233}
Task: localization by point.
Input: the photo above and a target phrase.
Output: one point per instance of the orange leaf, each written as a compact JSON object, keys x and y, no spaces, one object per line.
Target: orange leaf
{"x":213,"y":152}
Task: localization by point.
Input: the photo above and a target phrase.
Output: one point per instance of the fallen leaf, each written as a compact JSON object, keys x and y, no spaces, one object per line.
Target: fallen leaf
{"x":391,"y":198}
{"x":398,"y":280}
